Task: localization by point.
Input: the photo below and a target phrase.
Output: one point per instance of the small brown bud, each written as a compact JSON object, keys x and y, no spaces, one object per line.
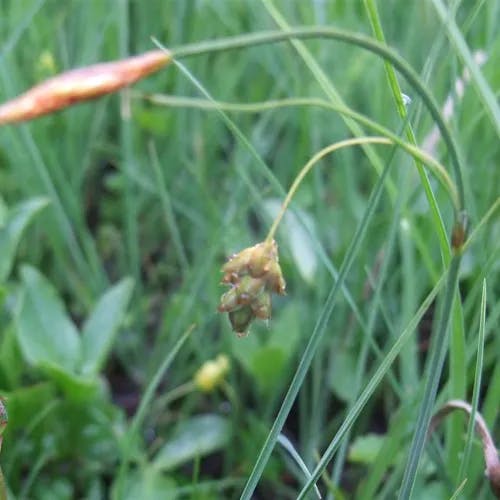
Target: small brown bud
{"x":459,"y":232}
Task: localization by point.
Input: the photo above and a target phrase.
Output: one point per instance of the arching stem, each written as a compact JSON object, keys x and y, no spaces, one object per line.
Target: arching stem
{"x":388,"y":54}
{"x":310,"y":164}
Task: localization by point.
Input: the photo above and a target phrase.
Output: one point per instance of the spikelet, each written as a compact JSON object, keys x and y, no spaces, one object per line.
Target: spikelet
{"x":253,"y":274}
{"x":80,"y":85}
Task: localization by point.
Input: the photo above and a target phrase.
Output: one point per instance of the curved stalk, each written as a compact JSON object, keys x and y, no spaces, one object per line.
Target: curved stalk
{"x":255,"y":107}
{"x":266,"y":37}
{"x":310,"y":164}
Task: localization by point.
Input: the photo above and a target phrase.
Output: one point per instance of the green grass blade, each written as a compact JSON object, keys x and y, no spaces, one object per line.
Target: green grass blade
{"x":140,"y":414}
{"x":130,"y":206}
{"x":288,"y":446}
{"x":314,"y":342}
{"x":397,"y":95}
{"x":478,"y":81}
{"x":477,"y":387}
{"x":432,"y":376}
{"x":371,"y":387}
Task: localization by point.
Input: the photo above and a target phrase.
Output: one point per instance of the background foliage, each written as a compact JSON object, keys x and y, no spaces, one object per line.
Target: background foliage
{"x":116,"y":215}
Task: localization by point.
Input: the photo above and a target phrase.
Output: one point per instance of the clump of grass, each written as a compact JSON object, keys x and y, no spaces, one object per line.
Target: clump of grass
{"x":198,"y":239}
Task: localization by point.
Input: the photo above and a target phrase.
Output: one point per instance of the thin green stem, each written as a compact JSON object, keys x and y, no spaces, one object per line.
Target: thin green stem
{"x":171,"y":223}
{"x":140,"y":414}
{"x":314,"y":340}
{"x":310,"y":164}
{"x":477,"y":387}
{"x":130,"y":212}
{"x":436,"y":167}
{"x":266,"y":37}
{"x":397,"y":95}
{"x":370,"y":388}
{"x":433,"y":377}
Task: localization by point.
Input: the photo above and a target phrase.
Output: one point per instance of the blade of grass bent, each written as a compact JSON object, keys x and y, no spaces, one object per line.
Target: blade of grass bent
{"x":288,"y":446}
{"x":330,"y":91}
{"x":433,"y":165}
{"x":362,"y":41}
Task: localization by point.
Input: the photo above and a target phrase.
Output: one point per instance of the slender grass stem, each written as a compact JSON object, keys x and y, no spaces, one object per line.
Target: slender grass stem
{"x":140,"y":414}
{"x":314,"y":341}
{"x":477,"y":387}
{"x":433,"y":376}
{"x":431,"y":163}
{"x":267,"y":37}
{"x":310,"y":164}
{"x":371,"y":8}
{"x":371,"y":387}
{"x":130,"y":212}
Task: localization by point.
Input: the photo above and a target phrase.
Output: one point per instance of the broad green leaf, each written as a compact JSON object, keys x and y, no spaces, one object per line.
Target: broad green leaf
{"x":45,"y":332}
{"x":364,"y":449}
{"x":195,"y":437}
{"x":25,"y":403}
{"x":76,"y":387}
{"x":12,"y":229}
{"x":341,"y":380}
{"x":149,"y":484}
{"x":100,"y":329}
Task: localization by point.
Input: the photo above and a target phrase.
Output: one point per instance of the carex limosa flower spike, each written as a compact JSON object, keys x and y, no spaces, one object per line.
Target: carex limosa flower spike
{"x":253,"y":275}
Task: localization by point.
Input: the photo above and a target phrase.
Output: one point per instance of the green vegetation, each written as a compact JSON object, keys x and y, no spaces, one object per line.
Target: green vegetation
{"x":121,"y":380}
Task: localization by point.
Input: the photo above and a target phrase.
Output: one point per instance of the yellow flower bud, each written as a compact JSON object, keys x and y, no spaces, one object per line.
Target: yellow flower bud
{"x":212,"y":373}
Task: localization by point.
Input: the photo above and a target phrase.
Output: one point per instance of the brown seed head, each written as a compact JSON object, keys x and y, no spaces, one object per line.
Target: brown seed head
{"x":254,"y":273}
{"x":81,"y":84}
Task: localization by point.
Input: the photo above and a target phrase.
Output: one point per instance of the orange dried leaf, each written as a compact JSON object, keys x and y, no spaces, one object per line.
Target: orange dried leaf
{"x":80,"y":85}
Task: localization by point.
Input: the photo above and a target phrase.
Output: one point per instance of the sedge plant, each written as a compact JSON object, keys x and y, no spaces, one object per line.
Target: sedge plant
{"x":254,"y":273}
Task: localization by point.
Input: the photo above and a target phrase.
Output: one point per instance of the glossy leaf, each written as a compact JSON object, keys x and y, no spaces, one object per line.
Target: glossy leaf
{"x":364,"y":449}
{"x":195,"y":437}
{"x":45,"y":332}
{"x":99,"y":331}
{"x":149,"y":484}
